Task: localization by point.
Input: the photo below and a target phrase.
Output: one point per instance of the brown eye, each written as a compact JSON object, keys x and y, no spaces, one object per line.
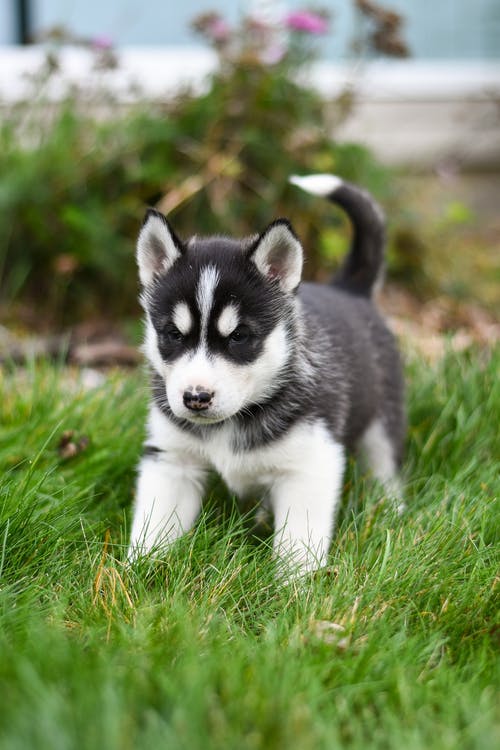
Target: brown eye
{"x":172,"y":333}
{"x":240,"y":335}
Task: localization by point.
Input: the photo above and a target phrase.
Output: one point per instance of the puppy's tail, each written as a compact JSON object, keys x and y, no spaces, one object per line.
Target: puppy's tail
{"x":364,"y":263}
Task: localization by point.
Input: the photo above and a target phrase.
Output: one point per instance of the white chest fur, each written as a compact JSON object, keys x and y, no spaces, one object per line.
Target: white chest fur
{"x":305,"y":449}
{"x":300,"y":475}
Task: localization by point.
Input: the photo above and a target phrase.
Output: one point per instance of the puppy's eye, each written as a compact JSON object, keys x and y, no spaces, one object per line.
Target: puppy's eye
{"x":172,"y":333}
{"x":240,"y":335}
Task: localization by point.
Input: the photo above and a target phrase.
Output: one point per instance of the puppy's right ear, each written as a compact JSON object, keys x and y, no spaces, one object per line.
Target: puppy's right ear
{"x":158,"y":247}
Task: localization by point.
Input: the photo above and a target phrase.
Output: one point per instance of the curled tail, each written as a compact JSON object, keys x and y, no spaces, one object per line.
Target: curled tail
{"x":364,"y":263}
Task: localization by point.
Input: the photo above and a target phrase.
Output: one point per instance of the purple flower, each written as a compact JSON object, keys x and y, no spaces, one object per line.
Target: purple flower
{"x":305,"y":20}
{"x":102,"y":42}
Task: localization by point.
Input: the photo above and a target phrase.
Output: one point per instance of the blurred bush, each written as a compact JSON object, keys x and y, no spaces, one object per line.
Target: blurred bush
{"x":74,"y":187}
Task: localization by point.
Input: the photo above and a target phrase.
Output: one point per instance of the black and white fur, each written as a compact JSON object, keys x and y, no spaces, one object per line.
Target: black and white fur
{"x":265,"y":379}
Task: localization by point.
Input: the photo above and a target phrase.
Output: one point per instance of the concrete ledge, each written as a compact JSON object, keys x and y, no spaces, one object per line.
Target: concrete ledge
{"x":152,"y":72}
{"x":408,"y":112}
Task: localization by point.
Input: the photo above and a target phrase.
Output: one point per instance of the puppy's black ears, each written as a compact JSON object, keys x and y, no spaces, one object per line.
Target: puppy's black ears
{"x":278,"y":255}
{"x":158,"y":247}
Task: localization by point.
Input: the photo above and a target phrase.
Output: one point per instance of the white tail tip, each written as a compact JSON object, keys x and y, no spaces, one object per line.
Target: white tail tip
{"x":317,"y":184}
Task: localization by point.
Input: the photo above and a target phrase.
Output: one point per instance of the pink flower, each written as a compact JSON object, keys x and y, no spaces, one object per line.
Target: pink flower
{"x":273,"y":54}
{"x":305,"y":20}
{"x":218,"y":29}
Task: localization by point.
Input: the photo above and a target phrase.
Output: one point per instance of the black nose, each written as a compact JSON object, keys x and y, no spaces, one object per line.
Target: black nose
{"x":199,"y":400}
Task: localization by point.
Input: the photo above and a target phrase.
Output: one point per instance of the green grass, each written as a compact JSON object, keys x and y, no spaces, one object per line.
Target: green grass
{"x":205,"y":649}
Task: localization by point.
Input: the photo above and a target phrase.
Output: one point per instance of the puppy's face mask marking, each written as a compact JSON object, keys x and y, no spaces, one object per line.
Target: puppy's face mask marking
{"x":217,"y":316}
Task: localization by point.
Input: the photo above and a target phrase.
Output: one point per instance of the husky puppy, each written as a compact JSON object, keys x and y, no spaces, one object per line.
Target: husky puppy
{"x":265,"y":379}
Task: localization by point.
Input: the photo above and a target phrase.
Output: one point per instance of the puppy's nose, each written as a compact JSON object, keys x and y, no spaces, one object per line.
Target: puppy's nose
{"x":199,"y":399}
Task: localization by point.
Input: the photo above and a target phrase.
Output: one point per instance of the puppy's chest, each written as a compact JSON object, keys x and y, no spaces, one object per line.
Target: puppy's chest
{"x":243,"y":471}
{"x":304,"y":450}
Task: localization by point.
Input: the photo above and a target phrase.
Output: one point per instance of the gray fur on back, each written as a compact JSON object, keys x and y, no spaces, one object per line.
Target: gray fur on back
{"x":357,"y":366}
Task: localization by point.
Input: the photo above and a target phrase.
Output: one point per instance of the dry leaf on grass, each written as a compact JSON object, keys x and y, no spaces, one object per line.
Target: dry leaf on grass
{"x":70,"y":446}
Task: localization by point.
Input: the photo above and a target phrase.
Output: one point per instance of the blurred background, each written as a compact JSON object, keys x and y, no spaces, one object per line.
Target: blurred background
{"x":203,"y":109}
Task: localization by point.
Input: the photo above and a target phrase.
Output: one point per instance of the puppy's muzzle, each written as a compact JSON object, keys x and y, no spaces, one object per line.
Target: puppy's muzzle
{"x":197,"y":399}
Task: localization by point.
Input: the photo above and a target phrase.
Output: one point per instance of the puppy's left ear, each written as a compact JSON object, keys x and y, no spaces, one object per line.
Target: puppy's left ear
{"x":278,"y":255}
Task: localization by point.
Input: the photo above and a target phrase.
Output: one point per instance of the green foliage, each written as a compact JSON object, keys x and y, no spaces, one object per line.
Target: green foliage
{"x":73,"y":187}
{"x":70,"y":207}
{"x":395,"y":644}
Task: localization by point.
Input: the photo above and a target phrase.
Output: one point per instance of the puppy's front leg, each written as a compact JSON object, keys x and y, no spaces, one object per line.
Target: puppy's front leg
{"x":168,"y":501}
{"x":304,"y":503}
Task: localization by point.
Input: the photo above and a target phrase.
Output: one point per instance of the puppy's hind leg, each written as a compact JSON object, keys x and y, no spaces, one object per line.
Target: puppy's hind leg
{"x":378,"y":452}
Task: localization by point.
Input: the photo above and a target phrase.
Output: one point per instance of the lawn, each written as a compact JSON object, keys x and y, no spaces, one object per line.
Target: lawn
{"x":395,"y":645}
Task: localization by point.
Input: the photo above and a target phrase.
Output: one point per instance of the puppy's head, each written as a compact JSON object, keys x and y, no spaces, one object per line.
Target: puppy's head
{"x":218,"y":315}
